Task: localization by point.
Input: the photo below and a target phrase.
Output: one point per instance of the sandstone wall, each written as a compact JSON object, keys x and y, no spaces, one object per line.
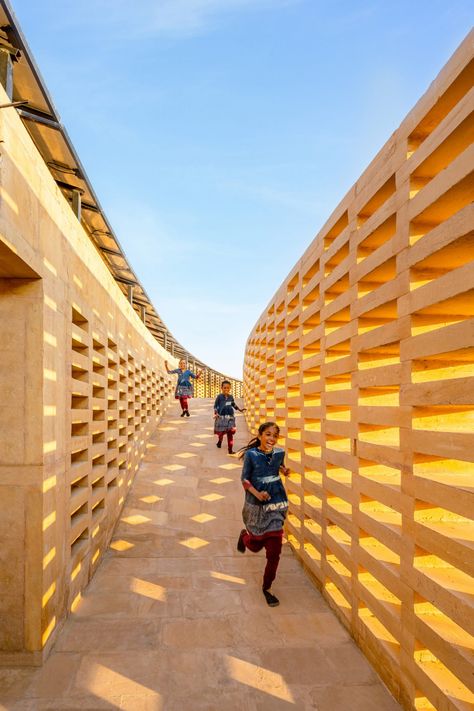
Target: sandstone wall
{"x":83,"y":386}
{"x":365,"y":358}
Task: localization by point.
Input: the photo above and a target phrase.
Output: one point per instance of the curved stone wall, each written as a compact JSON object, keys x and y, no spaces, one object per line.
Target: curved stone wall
{"x":83,"y":387}
{"x":365,"y":359}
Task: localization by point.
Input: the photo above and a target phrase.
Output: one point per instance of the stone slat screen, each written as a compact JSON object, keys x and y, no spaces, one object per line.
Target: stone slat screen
{"x":365,"y":359}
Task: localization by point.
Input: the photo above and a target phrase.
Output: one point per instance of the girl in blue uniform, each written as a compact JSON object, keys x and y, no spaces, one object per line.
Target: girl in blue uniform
{"x":184,"y":387}
{"x":266,"y":502}
{"x":224,"y":418}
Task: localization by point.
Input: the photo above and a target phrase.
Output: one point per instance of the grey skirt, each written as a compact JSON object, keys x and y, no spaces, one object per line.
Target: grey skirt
{"x":260,"y":519}
{"x":224,"y":423}
{"x":184,"y":391}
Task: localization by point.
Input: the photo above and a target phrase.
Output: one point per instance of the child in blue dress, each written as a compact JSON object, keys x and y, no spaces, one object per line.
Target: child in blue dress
{"x":184,"y":387}
{"x":224,"y":418}
{"x":266,"y":502}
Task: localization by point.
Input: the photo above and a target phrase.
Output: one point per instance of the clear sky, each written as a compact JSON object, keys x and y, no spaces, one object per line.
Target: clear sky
{"x":219,"y":135}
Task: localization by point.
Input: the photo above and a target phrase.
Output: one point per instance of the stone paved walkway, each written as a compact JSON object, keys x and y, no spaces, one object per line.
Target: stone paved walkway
{"x":174,"y":619}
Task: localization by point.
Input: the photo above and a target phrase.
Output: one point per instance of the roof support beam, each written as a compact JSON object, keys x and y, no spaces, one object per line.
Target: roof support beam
{"x":122,"y":280}
{"x":90,"y":207}
{"x":107,"y":250}
{"x":39,"y":118}
{"x":15,"y":104}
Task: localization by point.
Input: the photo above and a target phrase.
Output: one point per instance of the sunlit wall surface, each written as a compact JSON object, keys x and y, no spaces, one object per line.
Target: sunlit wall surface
{"x":365,"y":358}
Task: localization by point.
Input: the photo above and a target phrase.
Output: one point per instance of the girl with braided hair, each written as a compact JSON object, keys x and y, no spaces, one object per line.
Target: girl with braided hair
{"x":266,"y":502}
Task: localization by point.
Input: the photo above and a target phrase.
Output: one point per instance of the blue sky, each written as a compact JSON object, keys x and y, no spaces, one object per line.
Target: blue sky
{"x":219,"y":135}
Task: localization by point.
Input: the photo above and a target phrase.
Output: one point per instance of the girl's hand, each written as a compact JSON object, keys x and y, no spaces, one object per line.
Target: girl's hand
{"x":263,"y":496}
{"x":285,"y":470}
{"x":216,"y":415}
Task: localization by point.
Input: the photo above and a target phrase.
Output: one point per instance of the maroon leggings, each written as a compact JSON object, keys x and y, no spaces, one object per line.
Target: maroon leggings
{"x":272,"y":543}
{"x":183,"y":401}
{"x":230,"y":438}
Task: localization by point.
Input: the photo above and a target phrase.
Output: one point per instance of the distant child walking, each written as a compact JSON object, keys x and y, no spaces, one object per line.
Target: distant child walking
{"x":224,"y":418}
{"x":184,"y":387}
{"x":266,"y":502}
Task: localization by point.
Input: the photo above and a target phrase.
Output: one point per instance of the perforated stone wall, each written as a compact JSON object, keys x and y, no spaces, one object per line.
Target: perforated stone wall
{"x":365,"y":359}
{"x":83,"y":387}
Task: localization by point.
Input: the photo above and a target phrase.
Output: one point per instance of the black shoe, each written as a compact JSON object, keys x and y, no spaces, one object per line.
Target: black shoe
{"x":186,"y":412}
{"x":272,"y":601}
{"x":219,"y":443}
{"x":231,"y":451}
{"x":240,"y":543}
{"x":183,"y":413}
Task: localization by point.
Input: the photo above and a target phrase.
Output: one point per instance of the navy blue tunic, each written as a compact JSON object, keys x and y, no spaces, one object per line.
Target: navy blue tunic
{"x":262,"y":471}
{"x":224,"y":407}
{"x":184,"y":386}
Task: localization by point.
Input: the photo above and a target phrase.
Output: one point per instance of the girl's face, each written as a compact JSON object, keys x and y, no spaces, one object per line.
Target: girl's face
{"x":226,"y":389}
{"x":182,"y":364}
{"x":268,"y":438}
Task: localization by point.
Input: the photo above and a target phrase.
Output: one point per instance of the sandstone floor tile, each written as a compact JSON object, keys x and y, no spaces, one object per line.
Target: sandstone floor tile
{"x":137,"y":518}
{"x":213,"y":579}
{"x":211,"y":700}
{"x":301,"y":665}
{"x":114,"y":582}
{"x":55,"y":678}
{"x":153,"y":503}
{"x":111,"y":675}
{"x":107,"y":635}
{"x":154,"y":534}
{"x":265,"y":688}
{"x":294,"y":600}
{"x":299,"y":701}
{"x":181,"y":673}
{"x":350,"y":663}
{"x":85,"y":703}
{"x":142,"y":703}
{"x":144,"y":600}
{"x":217,"y":527}
{"x":159,"y":566}
{"x":139,"y":546}
{"x":315,"y":629}
{"x":258,"y":630}
{"x":207,"y":632}
{"x":13,"y":683}
{"x":356,"y":697}
{"x":196,"y":603}
{"x":184,"y":508}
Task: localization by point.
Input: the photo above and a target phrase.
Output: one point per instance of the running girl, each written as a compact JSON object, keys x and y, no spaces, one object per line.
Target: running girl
{"x":266,"y":502}
{"x":184,"y":387}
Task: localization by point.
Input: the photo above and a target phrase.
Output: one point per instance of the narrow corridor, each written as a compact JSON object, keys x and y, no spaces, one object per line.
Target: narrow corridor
{"x":174,"y":619}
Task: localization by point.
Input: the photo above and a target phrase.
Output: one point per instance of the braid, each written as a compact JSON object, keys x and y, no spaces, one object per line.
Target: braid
{"x":253,"y":444}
